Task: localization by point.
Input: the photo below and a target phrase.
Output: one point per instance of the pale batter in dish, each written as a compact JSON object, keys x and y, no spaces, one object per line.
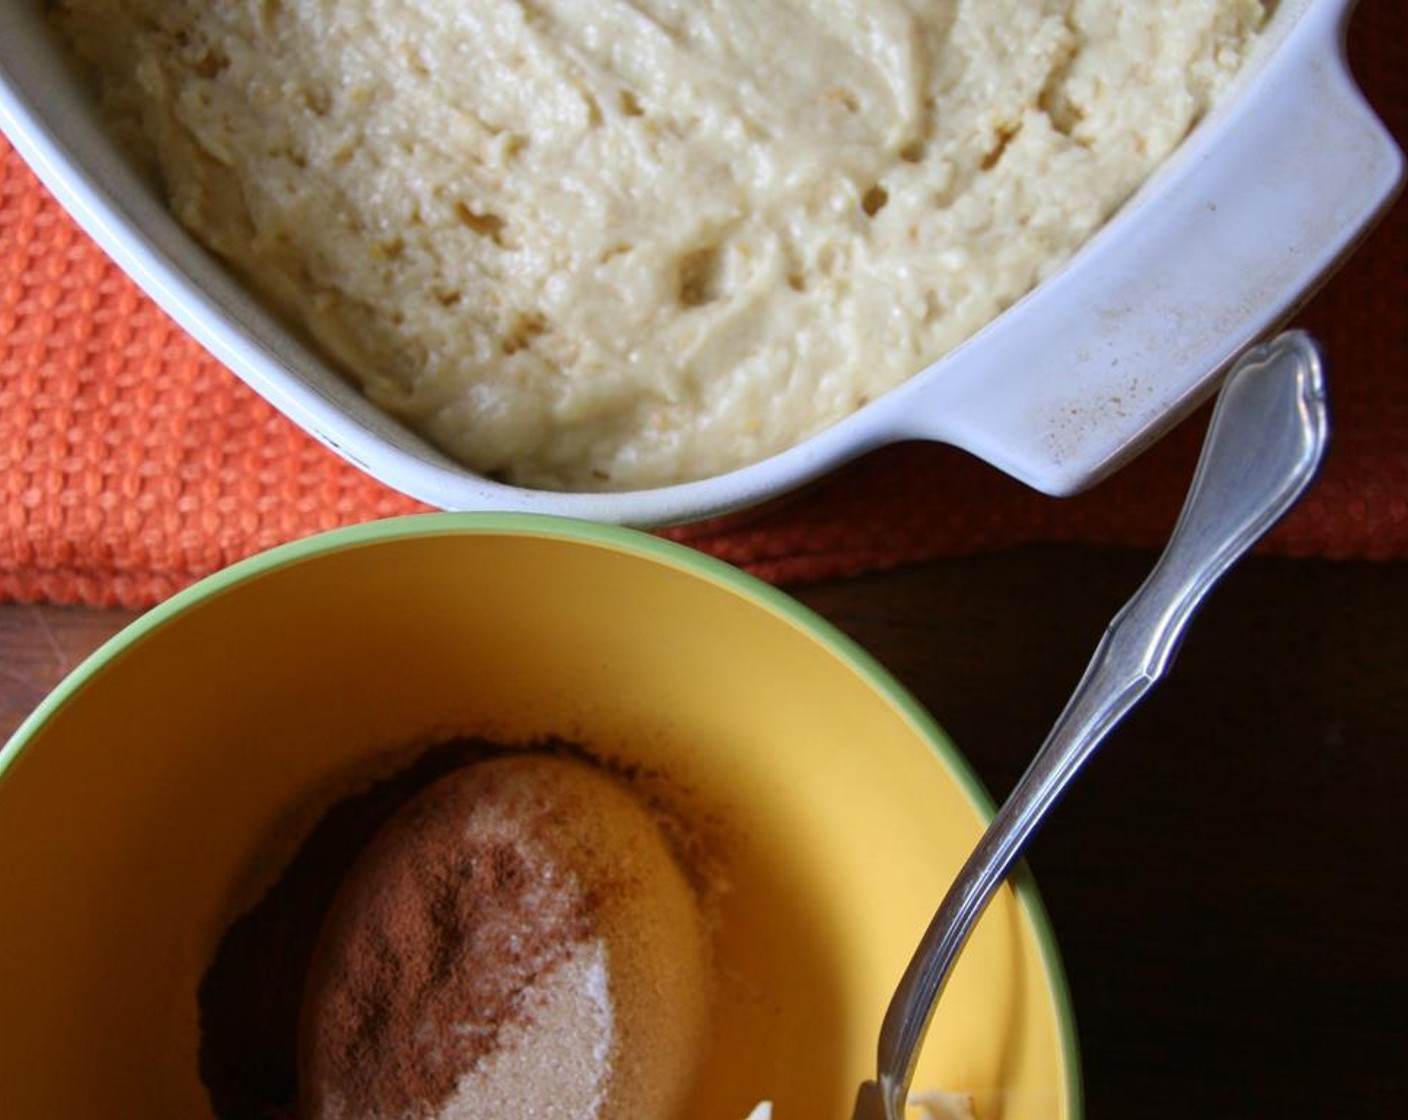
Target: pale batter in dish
{"x":588,"y":245}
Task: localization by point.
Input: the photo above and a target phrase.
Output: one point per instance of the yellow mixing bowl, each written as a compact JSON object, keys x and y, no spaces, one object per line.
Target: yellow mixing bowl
{"x":157,"y":793}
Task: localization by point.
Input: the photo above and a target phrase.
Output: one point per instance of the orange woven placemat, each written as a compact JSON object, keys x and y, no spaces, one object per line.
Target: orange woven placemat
{"x":132,"y":463}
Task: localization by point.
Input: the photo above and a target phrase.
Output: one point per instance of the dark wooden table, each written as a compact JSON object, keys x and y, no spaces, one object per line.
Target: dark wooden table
{"x":1228,"y":880}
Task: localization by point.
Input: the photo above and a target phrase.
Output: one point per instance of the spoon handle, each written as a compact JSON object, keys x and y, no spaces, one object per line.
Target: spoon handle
{"x":1264,"y":442}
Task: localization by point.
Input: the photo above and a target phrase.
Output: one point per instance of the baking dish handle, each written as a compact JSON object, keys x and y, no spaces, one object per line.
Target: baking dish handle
{"x":1258,"y":207}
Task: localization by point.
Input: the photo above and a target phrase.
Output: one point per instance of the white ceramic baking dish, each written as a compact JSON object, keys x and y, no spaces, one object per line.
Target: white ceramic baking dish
{"x":1260,"y":203}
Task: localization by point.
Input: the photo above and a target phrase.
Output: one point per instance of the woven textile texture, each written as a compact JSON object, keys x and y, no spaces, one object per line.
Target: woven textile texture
{"x":132,"y":463}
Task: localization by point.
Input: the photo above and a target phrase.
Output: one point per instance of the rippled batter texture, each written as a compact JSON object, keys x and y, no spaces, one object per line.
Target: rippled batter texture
{"x":606,"y":244}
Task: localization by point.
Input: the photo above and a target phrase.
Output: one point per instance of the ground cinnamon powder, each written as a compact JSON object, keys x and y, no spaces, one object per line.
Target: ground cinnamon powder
{"x":250,"y":996}
{"x":523,"y":924}
{"x":445,"y":921}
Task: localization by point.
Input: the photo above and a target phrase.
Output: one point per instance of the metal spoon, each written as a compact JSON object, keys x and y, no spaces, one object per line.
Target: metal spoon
{"x":1264,"y":442}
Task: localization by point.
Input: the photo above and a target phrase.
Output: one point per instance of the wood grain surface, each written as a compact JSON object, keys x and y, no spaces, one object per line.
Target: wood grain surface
{"x":1227,"y":880}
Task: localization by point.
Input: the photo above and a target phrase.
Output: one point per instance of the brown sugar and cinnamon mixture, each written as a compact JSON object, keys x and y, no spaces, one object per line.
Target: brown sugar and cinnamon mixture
{"x":426,"y":960}
{"x":491,"y":933}
{"x":251,"y":994}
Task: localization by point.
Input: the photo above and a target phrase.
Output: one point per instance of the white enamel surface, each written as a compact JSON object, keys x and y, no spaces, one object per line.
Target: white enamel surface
{"x":1233,"y":233}
{"x":1229,"y":239}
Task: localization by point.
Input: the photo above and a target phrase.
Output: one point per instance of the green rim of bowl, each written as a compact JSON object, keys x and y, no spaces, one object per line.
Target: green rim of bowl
{"x":616,"y":538}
